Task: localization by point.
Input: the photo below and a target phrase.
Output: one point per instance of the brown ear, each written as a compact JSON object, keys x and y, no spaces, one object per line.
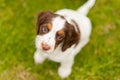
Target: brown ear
{"x":43,"y":18}
{"x":72,"y":37}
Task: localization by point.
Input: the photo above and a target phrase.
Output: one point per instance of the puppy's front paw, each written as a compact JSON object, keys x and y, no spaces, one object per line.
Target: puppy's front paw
{"x":38,"y":59}
{"x":64,"y":72}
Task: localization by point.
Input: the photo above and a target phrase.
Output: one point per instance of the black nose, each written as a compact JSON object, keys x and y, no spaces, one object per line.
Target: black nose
{"x":45,"y":46}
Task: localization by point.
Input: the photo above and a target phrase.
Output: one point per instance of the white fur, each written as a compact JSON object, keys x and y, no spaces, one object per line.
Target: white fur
{"x":85,"y":8}
{"x":66,"y":58}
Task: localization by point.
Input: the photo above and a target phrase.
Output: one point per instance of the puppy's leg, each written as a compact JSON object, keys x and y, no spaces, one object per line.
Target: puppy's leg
{"x":66,"y":68}
{"x":38,"y":57}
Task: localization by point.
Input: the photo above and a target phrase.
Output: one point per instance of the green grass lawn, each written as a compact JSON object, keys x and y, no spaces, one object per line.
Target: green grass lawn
{"x":99,"y":60}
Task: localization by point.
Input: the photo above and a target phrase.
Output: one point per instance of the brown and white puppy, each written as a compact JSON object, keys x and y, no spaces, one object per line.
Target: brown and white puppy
{"x":61,"y":35}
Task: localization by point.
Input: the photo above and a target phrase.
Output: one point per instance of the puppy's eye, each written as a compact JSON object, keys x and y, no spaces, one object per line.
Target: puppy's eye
{"x":60,"y":37}
{"x":44,"y":29}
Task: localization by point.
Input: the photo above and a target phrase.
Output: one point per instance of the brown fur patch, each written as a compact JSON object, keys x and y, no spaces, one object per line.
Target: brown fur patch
{"x":49,"y":26}
{"x":60,"y":32}
{"x":72,"y":37}
{"x":45,"y":18}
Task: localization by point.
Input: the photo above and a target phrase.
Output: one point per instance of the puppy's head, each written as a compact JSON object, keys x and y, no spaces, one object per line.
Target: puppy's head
{"x":53,"y":31}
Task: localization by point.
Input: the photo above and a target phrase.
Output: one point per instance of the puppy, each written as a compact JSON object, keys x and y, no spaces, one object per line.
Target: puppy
{"x":61,"y":35}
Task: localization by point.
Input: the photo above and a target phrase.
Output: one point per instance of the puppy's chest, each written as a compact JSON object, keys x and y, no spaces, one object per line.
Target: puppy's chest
{"x":57,"y":57}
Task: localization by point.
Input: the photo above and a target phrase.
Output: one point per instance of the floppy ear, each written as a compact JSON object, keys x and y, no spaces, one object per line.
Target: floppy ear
{"x":72,"y":37}
{"x":44,"y":17}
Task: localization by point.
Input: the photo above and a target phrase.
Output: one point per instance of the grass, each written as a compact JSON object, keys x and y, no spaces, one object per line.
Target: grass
{"x":99,"y":60}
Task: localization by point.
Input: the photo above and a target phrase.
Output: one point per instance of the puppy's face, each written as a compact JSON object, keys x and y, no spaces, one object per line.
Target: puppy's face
{"x":54,"y":31}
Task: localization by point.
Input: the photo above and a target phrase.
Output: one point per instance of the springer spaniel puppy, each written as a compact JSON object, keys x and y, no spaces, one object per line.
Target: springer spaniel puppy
{"x":61,"y":35}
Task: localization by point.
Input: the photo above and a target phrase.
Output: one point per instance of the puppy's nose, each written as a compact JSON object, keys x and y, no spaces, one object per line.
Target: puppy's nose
{"x":45,"y":46}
